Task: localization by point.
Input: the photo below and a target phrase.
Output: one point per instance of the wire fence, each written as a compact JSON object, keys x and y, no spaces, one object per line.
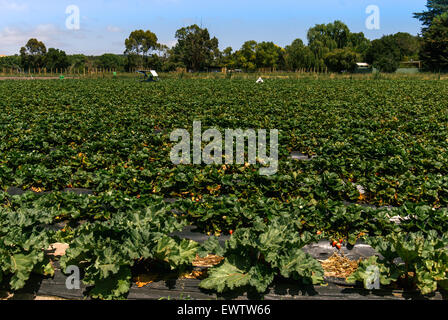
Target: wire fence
{"x":266,"y":73}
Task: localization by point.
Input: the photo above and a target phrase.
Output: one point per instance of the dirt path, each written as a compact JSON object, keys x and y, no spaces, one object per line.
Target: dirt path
{"x":25,"y":296}
{"x":32,"y":78}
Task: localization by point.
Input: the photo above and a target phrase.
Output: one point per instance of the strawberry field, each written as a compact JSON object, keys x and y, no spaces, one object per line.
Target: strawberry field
{"x":87,"y":163}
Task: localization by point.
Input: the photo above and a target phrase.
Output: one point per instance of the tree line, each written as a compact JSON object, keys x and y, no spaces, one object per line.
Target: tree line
{"x":331,"y":47}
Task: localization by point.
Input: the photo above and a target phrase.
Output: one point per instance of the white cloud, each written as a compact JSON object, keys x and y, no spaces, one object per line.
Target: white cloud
{"x":13,"y":38}
{"x":113,"y":29}
{"x":170,"y":44}
{"x":8,"y":5}
{"x":47,"y":32}
{"x":17,"y":36}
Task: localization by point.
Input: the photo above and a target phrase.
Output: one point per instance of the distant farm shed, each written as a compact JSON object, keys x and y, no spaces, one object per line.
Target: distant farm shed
{"x":363,"y":67}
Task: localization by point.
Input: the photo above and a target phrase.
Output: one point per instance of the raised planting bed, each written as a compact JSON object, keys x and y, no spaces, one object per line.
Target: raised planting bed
{"x":181,"y":289}
{"x":337,"y":264}
{"x":171,"y":286}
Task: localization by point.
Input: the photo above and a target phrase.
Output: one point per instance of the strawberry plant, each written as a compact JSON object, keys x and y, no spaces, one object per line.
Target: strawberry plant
{"x":106,"y":251}
{"x":416,"y":260}
{"x":364,"y":273}
{"x":22,"y":244}
{"x":254,"y":256}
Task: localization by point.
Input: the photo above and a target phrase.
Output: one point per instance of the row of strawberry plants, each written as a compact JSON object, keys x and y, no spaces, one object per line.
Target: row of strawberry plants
{"x":107,"y":252}
{"x":102,"y":135}
{"x":223,"y":214}
{"x":266,"y":248}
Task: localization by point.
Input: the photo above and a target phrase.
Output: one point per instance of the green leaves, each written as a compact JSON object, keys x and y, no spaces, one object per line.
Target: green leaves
{"x":107,"y":250}
{"x":364,"y":272}
{"x":22,"y":245}
{"x":114,"y":286}
{"x":261,"y":276}
{"x":420,"y":260}
{"x":185,"y":254}
{"x":230,"y":274}
{"x":301,"y":266}
{"x":176,"y":253}
{"x":254,"y":256}
{"x":211,"y":246}
{"x":21,"y":266}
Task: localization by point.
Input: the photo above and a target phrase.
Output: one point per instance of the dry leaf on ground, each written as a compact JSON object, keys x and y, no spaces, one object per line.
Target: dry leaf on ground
{"x":57,"y":249}
{"x":209,"y":261}
{"x":339,"y":266}
{"x":145,"y":279}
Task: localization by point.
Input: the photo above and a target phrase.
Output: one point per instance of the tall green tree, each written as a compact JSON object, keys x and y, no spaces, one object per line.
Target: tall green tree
{"x":434,"y":52}
{"x":298,"y":56}
{"x":228,"y":58}
{"x":78,"y":62}
{"x":434,"y":47}
{"x":195,"y":48}
{"x":139,"y":45}
{"x":340,"y":60}
{"x":12,"y":62}
{"x":358,"y":43}
{"x":268,"y":55}
{"x":246,"y":57}
{"x":384,"y":54}
{"x":408,"y":44}
{"x":32,"y":54}
{"x":111,"y":61}
{"x":434,"y":9}
{"x":320,"y":50}
{"x":171,"y":62}
{"x":333,"y":35}
{"x":56,"y":59}
{"x":387,"y":53}
{"x":324,"y":38}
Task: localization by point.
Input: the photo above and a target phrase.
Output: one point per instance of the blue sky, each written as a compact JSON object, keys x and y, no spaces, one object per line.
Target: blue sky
{"x":105,"y":24}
